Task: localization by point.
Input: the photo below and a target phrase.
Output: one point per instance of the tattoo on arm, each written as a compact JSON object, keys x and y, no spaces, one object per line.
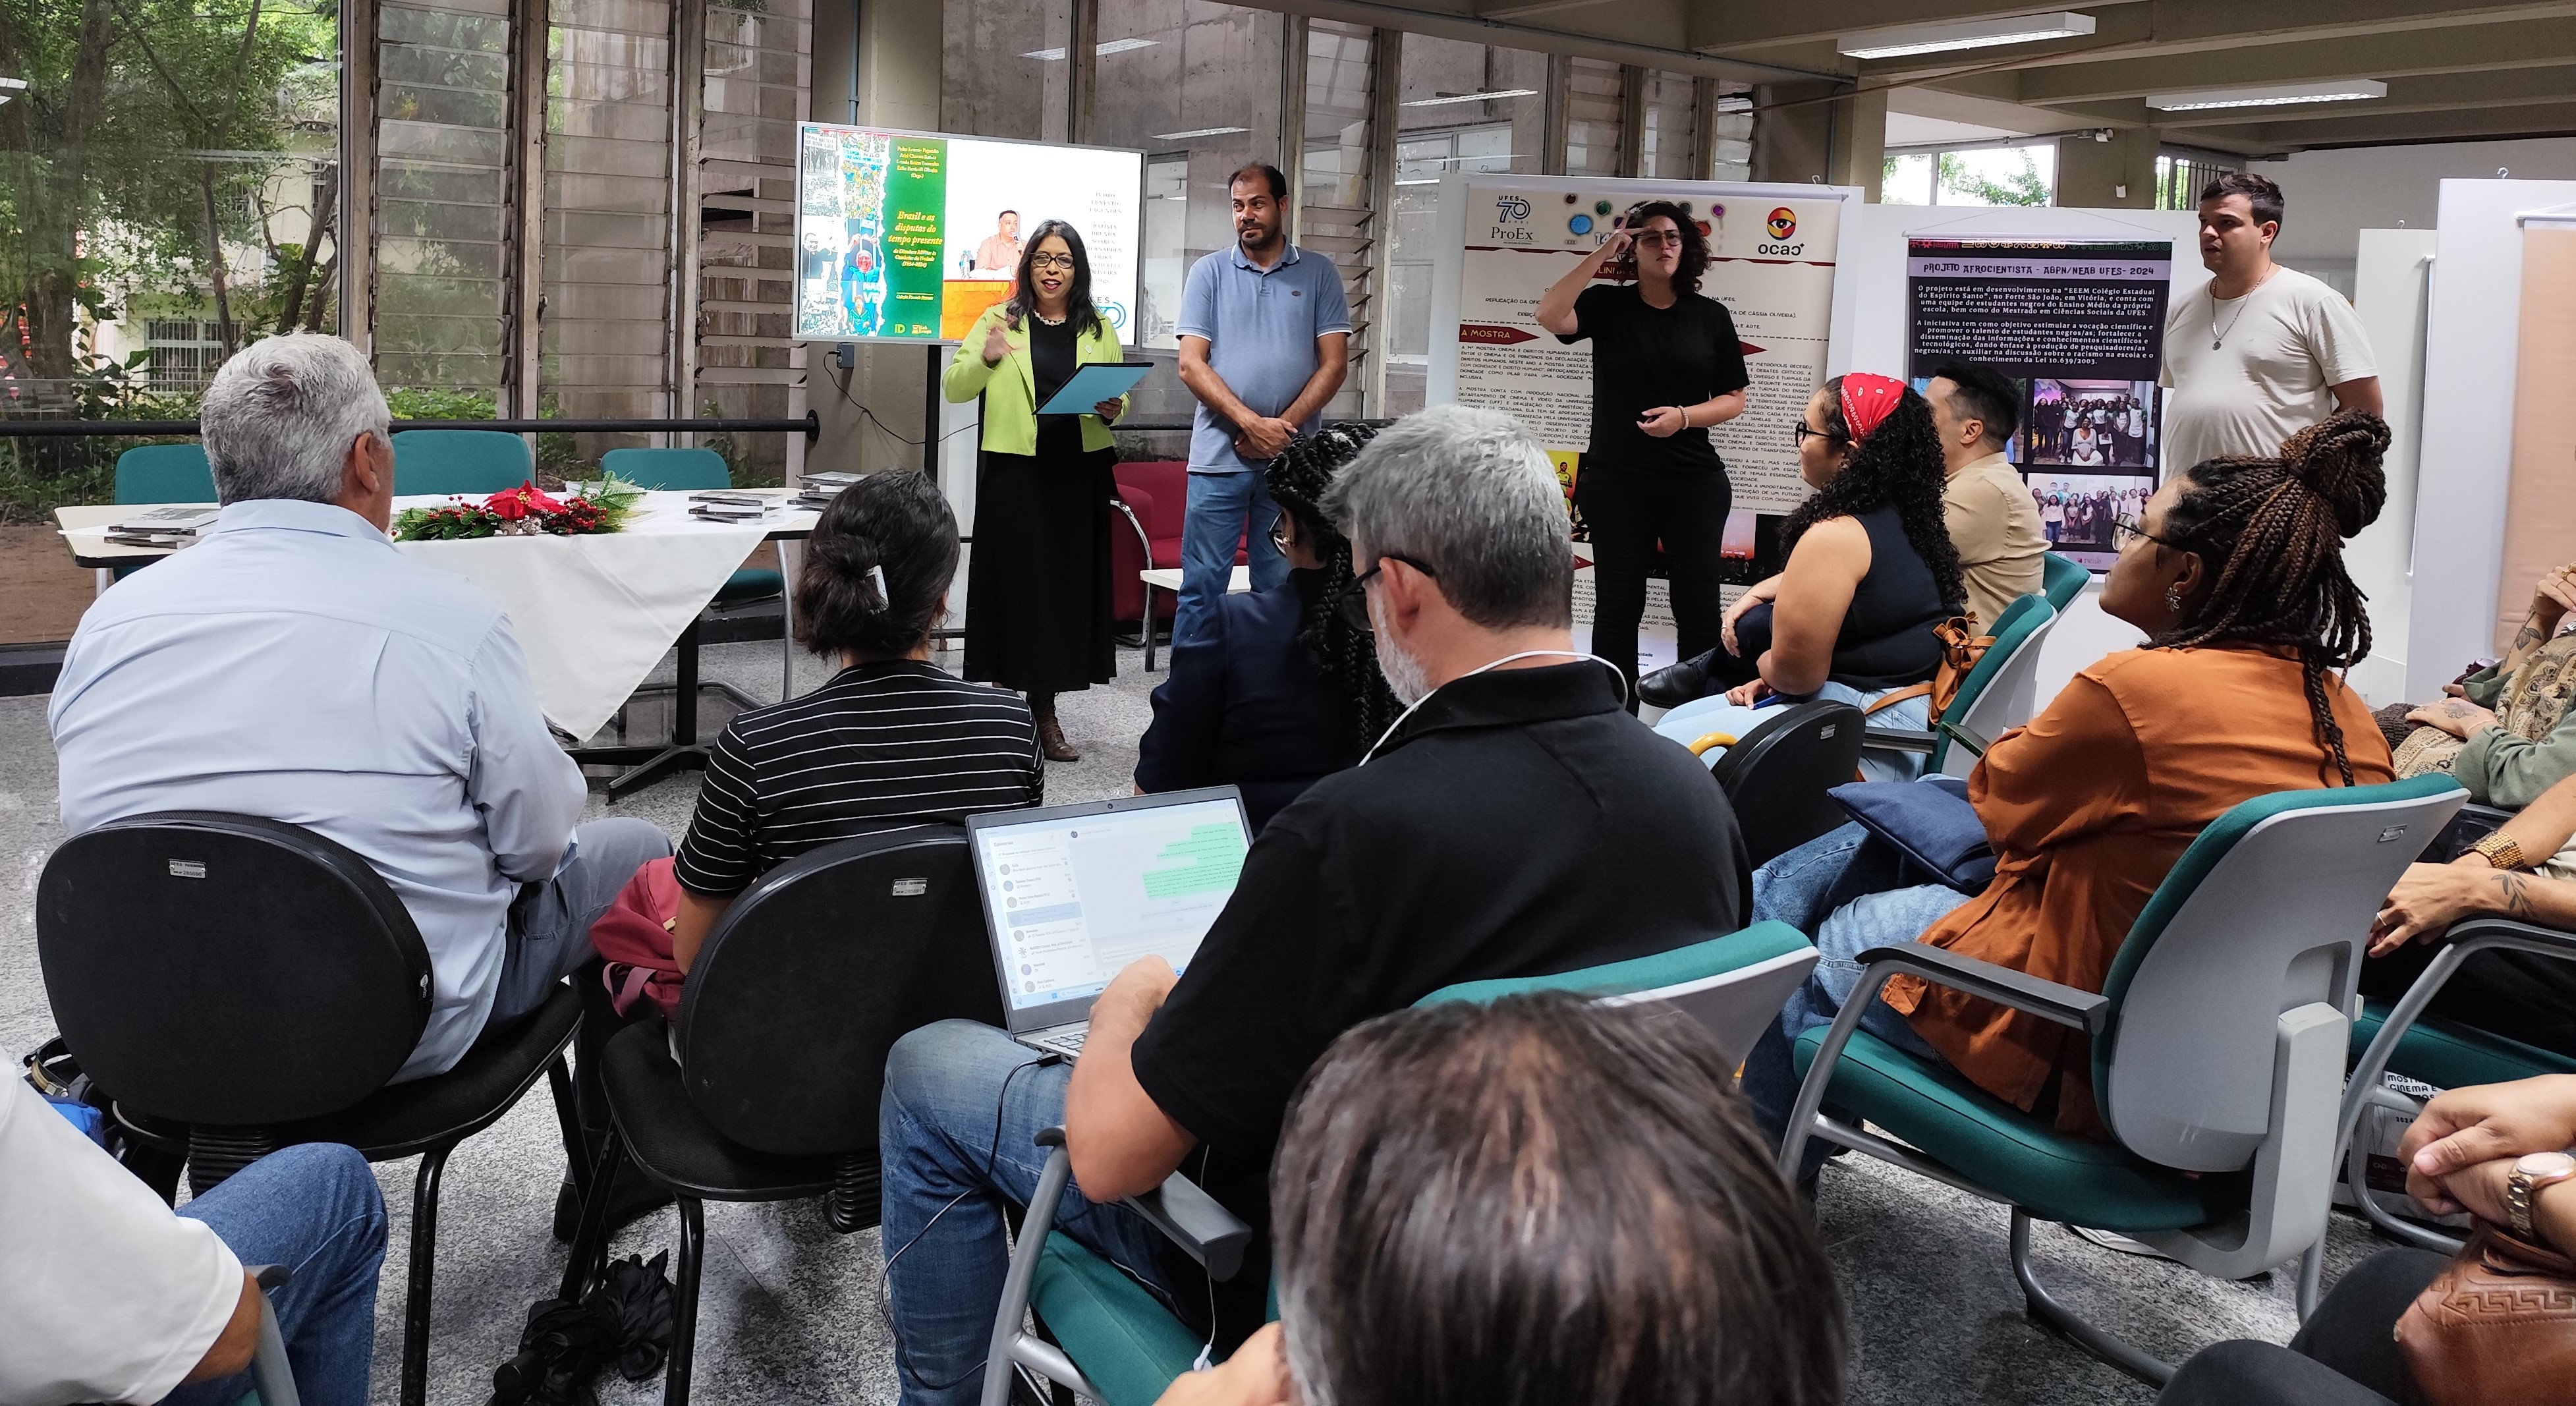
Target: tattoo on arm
{"x":2529,"y":634}
{"x":2517,"y":903}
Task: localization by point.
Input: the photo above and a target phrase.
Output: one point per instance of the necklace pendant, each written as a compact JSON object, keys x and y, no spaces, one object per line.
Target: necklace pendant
{"x":2214,"y":344}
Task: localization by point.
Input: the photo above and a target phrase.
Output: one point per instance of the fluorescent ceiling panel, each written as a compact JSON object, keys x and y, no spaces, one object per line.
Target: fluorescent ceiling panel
{"x":2276,"y":95}
{"x":1198,"y":132}
{"x":1899,"y":42}
{"x":1113,"y":46}
{"x":1496,"y":95}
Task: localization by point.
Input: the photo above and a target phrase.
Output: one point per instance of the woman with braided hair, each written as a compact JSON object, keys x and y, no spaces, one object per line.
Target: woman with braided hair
{"x":2235,"y":574}
{"x":1276,"y":691}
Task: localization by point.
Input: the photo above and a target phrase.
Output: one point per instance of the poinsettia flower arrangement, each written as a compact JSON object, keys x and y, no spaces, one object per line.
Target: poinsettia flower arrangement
{"x":524,"y":511}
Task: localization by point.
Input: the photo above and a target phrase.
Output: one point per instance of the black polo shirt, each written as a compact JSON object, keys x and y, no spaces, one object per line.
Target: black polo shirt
{"x":1518,"y":823}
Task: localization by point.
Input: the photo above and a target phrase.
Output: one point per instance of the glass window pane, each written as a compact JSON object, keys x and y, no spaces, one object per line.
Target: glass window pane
{"x":1592,"y":92}
{"x":756,"y":72}
{"x":2022,"y":175}
{"x":1669,"y":149}
{"x":1464,"y":107}
{"x":1002,"y":68}
{"x":1906,"y":180}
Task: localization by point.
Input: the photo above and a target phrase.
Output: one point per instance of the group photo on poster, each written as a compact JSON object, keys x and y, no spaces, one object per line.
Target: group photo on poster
{"x":2078,"y":327}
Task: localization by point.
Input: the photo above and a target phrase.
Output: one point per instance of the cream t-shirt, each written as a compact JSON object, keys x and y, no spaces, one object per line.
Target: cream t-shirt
{"x":1996,"y":528}
{"x":104,"y":1294}
{"x":2281,"y":347}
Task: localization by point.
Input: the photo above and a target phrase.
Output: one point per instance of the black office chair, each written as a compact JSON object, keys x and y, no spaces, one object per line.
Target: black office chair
{"x":1777,"y":775}
{"x":790,"y":1008}
{"x":241,"y":985}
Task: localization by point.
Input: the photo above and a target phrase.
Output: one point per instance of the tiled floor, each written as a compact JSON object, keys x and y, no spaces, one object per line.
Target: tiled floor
{"x":791,"y":1312}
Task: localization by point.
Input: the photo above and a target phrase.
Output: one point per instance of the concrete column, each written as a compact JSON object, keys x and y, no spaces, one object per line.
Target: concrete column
{"x":1859,"y":145}
{"x":2119,"y":174}
{"x":1792,"y":143}
{"x":896,"y":84}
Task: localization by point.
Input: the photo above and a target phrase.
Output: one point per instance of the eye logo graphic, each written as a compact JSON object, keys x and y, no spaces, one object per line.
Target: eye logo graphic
{"x":1783,"y":223}
{"x":1512,"y":207}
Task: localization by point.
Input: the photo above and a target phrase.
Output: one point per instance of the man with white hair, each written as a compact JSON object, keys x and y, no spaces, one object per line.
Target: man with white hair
{"x":1515,"y":821}
{"x":296,"y":665}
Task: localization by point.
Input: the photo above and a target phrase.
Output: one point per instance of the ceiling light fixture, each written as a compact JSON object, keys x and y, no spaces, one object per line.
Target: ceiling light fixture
{"x":1495,"y":96}
{"x":1112,"y":46}
{"x":2277,"y":95}
{"x":1198,"y":132}
{"x":1967,"y":34}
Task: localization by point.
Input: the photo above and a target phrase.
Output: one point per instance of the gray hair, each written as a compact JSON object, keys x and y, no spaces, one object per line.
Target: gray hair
{"x":279,"y":417}
{"x":1469,"y":496}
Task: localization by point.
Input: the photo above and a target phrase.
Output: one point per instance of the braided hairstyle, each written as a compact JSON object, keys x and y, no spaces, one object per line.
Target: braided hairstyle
{"x":1899,"y":464}
{"x":2275,"y":529}
{"x":1297,"y":480}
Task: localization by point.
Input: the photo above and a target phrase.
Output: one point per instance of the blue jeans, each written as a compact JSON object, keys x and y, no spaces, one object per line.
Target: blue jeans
{"x":1702,"y":716}
{"x":1224,"y":508}
{"x":950,"y":1088}
{"x":1843,"y":894}
{"x":313,"y":1208}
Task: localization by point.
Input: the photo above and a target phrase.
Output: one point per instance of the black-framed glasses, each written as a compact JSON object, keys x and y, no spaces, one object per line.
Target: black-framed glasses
{"x":1051,"y":261}
{"x":1279,"y":534}
{"x":2126,"y":532}
{"x":1800,"y":433}
{"x":1353,"y":601}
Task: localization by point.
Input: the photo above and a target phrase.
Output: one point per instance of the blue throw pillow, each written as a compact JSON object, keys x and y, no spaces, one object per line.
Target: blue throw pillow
{"x":1929,"y":822}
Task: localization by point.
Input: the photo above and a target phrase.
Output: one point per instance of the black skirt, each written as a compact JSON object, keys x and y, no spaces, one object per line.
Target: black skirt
{"x":1037,"y":575}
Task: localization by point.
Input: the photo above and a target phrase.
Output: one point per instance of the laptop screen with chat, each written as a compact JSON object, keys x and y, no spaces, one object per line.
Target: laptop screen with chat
{"x":1073,"y":898}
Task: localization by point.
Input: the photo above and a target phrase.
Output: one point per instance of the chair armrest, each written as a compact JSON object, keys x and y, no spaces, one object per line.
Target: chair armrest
{"x":2049,"y":1000}
{"x":1186,"y":1215}
{"x":1193,"y":1220}
{"x":1897,"y":739}
{"x":1144,"y":543}
{"x":2494,"y":815}
{"x":2475,"y":933}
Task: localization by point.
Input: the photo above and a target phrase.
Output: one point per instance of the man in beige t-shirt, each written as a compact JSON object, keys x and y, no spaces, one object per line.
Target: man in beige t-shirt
{"x":2260,"y":352}
{"x":1993,"y":521}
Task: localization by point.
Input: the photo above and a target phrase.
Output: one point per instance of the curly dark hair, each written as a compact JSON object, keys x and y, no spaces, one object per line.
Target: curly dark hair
{"x":1898,"y":465}
{"x":1078,"y":307}
{"x":2274,"y":530}
{"x":1297,"y":480}
{"x":897,"y":520}
{"x":1694,"y":240}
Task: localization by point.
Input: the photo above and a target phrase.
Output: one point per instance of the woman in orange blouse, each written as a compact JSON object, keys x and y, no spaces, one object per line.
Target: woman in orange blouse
{"x":2236,"y":575}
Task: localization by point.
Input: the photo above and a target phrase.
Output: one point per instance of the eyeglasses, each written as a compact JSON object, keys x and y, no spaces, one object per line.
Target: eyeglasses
{"x":2126,"y":533}
{"x":1353,"y":600}
{"x":1660,"y":238}
{"x":1051,"y":261}
{"x":1279,"y":534}
{"x":1799,"y":434}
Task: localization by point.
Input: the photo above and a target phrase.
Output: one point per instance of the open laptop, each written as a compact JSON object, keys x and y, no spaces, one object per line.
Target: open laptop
{"x":1073,"y":893}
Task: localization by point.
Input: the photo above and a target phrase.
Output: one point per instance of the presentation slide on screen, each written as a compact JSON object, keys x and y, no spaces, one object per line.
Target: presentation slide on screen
{"x":910,"y":236}
{"x":2079,"y":326}
{"x":1772,"y":252}
{"x":1077,"y":900}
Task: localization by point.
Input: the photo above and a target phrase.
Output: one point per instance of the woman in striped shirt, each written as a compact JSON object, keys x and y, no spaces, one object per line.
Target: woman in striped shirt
{"x":892,"y":741}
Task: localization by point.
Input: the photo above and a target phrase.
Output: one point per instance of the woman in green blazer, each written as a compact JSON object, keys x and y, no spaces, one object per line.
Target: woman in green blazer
{"x":1037,"y":580}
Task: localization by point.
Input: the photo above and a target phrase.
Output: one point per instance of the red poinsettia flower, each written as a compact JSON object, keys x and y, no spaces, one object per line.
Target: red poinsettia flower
{"x":514,"y":504}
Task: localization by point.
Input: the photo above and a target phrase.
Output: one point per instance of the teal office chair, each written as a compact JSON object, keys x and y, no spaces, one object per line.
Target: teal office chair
{"x":1998,"y":695}
{"x":1113,"y":1342}
{"x":463,"y":462}
{"x":2430,"y":1050}
{"x":2061,"y":581}
{"x":272,"y":1377}
{"x":158,"y":473}
{"x":2217,"y":1051}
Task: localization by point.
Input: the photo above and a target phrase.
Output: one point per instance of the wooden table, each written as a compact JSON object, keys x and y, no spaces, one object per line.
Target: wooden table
{"x":1169,"y":578}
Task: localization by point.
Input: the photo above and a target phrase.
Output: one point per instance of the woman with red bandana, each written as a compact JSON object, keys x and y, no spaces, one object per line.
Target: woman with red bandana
{"x":1870,"y":572}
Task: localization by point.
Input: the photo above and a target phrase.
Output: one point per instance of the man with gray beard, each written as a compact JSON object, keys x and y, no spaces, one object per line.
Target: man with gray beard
{"x":1515,"y":821}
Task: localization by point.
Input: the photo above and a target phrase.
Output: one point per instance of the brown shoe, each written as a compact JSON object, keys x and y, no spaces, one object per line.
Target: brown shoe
{"x":1051,"y":743}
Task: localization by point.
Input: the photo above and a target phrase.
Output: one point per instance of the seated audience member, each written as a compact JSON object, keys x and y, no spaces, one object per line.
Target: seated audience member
{"x":1544,"y":1202}
{"x":1993,"y":522}
{"x":2506,"y":732}
{"x":891,"y":741}
{"x":1278,"y":690}
{"x":1513,"y":806}
{"x":2237,"y":578}
{"x":2519,"y":995}
{"x":1870,"y":572}
{"x":2460,"y":1155}
{"x":296,"y":665}
{"x":109,"y":1296}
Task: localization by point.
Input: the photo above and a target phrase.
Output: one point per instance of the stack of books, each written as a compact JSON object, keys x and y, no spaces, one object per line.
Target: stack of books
{"x":817,"y":490}
{"x":166,"y":526}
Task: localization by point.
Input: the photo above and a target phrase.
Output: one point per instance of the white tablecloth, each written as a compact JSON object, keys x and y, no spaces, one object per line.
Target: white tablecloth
{"x":595,"y":614}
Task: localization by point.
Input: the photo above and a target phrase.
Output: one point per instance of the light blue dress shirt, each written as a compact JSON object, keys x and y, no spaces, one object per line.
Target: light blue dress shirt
{"x":1261,"y":325}
{"x":296,"y":665}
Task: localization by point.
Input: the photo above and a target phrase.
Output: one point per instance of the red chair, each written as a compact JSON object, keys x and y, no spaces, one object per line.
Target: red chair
{"x":1154,"y":497}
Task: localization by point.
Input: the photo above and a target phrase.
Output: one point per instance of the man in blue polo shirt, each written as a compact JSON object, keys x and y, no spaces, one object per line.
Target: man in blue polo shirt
{"x":1264,"y":328}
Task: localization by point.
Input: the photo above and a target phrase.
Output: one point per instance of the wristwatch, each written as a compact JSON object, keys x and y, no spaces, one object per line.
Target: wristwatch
{"x":2531,"y":1172}
{"x":2500,"y":851}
